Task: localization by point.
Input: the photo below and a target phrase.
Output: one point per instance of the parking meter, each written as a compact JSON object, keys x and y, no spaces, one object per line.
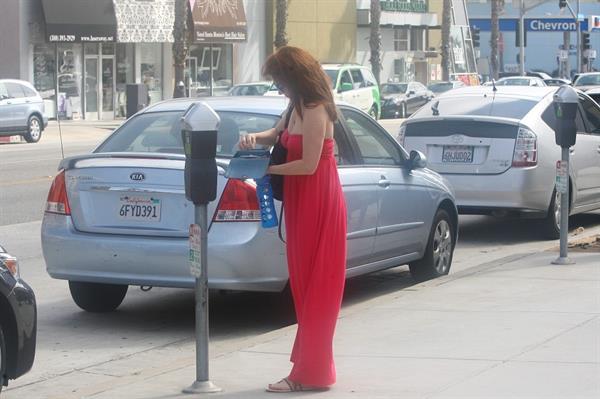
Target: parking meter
{"x":565,"y":109}
{"x":199,"y":134}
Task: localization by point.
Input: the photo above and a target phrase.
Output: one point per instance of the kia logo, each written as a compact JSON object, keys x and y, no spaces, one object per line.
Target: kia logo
{"x":137,"y":176}
{"x":457,"y":138}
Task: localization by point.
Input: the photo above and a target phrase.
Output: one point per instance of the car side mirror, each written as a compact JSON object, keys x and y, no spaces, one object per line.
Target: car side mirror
{"x":417,"y":160}
{"x":410,"y":93}
{"x":345,"y":87}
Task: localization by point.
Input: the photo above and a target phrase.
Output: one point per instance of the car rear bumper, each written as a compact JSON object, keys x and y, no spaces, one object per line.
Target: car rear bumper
{"x":22,"y":301}
{"x":522,"y":190}
{"x":238,"y":257}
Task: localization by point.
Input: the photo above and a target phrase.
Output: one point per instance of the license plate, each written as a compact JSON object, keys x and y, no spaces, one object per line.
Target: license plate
{"x":457,"y":154}
{"x":141,"y":208}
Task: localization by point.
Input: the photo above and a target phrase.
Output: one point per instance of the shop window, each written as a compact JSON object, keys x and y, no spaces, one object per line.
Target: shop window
{"x":417,"y":39}
{"x":44,"y":67}
{"x":150,"y":65}
{"x":125,"y":75}
{"x":70,"y":71}
{"x":199,"y":66}
{"x":400,"y":39}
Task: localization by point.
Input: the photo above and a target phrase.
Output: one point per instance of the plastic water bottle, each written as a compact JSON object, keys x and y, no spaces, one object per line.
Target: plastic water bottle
{"x":268,"y":213}
{"x":264,"y":191}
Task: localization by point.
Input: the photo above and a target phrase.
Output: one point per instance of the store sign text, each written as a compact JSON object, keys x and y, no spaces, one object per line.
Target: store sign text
{"x":404,"y":5}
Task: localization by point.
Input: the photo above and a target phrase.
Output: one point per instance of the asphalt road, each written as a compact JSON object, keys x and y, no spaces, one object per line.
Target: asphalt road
{"x":70,"y":339}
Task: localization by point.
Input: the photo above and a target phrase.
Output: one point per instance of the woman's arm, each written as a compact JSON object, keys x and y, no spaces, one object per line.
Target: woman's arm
{"x":314,"y":125}
{"x":267,"y":137}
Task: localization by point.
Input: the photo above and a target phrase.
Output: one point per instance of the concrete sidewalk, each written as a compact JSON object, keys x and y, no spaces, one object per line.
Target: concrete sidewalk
{"x":515,"y":328}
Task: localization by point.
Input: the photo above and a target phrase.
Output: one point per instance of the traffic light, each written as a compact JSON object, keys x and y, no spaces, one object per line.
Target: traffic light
{"x":562,"y":4}
{"x":475,"y":36}
{"x":585,"y":41}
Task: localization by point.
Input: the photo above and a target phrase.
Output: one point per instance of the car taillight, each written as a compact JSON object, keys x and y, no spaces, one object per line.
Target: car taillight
{"x":238,"y":203}
{"x":525,"y":149}
{"x":57,"y":197}
{"x":401,"y":134}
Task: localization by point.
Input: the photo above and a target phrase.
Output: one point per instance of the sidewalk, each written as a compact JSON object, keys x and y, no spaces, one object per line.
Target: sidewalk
{"x":519,"y":327}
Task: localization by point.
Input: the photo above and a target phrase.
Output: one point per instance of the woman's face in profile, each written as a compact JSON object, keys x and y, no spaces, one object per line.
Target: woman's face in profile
{"x":282,"y":88}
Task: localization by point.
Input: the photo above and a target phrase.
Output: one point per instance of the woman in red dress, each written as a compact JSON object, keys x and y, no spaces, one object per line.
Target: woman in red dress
{"x":315,"y":214}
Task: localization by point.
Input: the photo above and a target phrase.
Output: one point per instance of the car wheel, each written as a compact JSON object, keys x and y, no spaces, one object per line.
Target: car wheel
{"x":34,"y":129}
{"x":551,"y":223}
{"x":373,"y":112}
{"x":439,"y":250}
{"x":96,"y":297}
{"x":2,"y":359}
{"x":403,"y":111}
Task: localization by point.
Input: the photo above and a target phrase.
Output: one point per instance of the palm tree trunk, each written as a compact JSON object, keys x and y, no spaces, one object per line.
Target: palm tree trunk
{"x":375,"y":39}
{"x":180,"y":46}
{"x":446,"y":23}
{"x":280,"y":23}
{"x":495,"y":36}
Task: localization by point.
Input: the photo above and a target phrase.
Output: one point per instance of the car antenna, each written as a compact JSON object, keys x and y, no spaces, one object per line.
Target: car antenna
{"x":62,"y":148}
{"x":434,"y":108}
{"x":494,"y":85}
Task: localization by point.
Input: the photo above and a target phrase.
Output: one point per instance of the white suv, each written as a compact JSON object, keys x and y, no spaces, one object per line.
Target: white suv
{"x":355,"y":84}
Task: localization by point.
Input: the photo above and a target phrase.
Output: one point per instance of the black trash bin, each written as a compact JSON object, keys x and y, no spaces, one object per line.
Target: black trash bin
{"x":137,"y":98}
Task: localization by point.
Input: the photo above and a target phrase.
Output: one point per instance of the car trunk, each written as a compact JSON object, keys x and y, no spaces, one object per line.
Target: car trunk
{"x":464,"y":145}
{"x":132,"y":196}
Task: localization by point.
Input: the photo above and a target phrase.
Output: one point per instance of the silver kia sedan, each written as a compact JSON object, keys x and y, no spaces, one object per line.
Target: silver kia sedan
{"x":399,"y":211}
{"x":498,"y":150}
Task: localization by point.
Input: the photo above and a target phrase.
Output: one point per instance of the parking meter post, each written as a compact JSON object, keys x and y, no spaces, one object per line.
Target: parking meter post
{"x":199,"y":135}
{"x":566,"y":102}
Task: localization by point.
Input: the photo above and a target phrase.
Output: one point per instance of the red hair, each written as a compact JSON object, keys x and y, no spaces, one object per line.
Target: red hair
{"x":299,"y":71}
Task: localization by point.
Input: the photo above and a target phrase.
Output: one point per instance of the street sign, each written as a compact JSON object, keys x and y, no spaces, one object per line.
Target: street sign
{"x":563,"y":54}
{"x":562,"y":178}
{"x":195,"y":251}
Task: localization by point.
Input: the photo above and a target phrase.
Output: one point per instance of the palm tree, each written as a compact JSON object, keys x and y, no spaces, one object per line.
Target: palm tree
{"x":280,"y":23}
{"x":375,"y":39}
{"x":446,"y":23}
{"x":497,"y":6}
{"x":180,"y":45}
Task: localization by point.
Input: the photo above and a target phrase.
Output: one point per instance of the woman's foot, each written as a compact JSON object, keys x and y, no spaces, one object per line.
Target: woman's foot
{"x":286,"y":385}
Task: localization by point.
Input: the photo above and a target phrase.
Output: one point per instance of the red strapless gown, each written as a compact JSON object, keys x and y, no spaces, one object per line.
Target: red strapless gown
{"x":315,"y":220}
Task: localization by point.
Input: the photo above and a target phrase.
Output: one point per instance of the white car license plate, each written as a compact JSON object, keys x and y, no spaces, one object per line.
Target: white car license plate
{"x":457,"y":154}
{"x":142,"y":208}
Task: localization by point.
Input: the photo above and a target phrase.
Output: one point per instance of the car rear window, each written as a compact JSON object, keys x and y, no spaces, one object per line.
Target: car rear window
{"x":505,"y":107}
{"x":161,"y":132}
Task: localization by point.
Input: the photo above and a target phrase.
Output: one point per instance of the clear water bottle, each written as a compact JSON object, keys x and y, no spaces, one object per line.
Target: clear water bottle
{"x":268,"y":213}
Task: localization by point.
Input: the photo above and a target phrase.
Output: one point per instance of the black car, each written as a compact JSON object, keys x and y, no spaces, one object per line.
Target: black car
{"x":18,"y":321}
{"x":399,"y":100}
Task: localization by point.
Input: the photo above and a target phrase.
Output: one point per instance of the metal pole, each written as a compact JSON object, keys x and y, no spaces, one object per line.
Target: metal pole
{"x":563,"y":259}
{"x":578,"y":25}
{"x":211,"y":71}
{"x":522,"y":40}
{"x":202,"y":383}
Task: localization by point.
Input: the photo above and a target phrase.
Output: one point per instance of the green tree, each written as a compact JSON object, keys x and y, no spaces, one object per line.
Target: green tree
{"x":180,"y":45}
{"x":375,"y":39}
{"x":281,"y":16}
{"x":446,"y":24}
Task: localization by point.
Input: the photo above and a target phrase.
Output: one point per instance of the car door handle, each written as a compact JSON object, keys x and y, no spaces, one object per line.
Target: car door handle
{"x":384,"y":183}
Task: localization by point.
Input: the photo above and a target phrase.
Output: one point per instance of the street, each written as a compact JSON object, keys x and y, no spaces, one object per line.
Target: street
{"x":70,"y":339}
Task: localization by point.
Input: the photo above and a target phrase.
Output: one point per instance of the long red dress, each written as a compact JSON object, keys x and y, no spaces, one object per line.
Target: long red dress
{"x":315,"y":220}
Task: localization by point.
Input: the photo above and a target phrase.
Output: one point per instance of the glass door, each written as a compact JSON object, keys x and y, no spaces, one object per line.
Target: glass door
{"x":108,"y":88}
{"x":92,"y":93}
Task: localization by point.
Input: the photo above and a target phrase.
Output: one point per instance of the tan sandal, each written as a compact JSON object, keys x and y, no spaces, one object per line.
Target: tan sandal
{"x":286,"y":385}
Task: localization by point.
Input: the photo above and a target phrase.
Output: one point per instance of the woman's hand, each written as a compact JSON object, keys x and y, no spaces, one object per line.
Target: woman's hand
{"x":247,"y":141}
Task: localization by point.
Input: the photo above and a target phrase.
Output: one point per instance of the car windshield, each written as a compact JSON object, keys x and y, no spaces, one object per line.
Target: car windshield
{"x":440,"y":87}
{"x":393,"y":88}
{"x":505,"y":107}
{"x":161,"y":132}
{"x":333,"y":75}
{"x":588,"y":80}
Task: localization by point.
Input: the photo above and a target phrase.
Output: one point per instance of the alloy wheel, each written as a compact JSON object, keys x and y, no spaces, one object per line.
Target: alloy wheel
{"x":442,"y":247}
{"x":34,"y":129}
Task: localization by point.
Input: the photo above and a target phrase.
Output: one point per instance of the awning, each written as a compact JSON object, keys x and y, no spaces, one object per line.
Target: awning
{"x":80,"y":20}
{"x":145,"y":21}
{"x":219,"y":21}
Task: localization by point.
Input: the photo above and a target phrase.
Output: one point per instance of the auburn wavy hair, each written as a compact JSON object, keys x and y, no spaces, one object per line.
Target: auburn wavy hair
{"x":303,"y":75}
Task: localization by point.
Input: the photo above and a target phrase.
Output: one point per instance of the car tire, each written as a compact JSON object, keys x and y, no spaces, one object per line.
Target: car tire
{"x":34,"y":129}
{"x":2,"y":358}
{"x":97,"y":297}
{"x":551,"y":224}
{"x":373,"y":112}
{"x":439,"y":250}
{"x":402,"y":113}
